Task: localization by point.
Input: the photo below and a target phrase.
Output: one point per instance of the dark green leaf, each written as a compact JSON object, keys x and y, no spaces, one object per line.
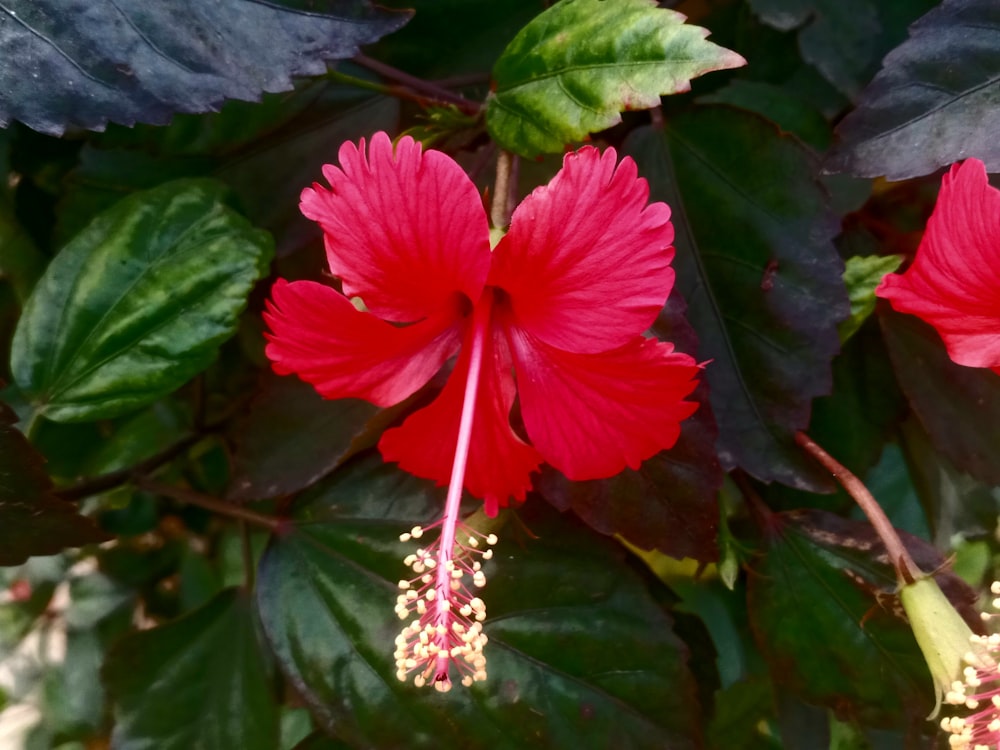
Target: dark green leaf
{"x":579,"y":654}
{"x":958,"y":406}
{"x":102,"y":61}
{"x":292,"y":437}
{"x":837,"y":36}
{"x":669,"y":503}
{"x":200,"y":681}
{"x":788,"y":112}
{"x":935,"y":101}
{"x":823,"y":606}
{"x":33,"y":521}
{"x":137,"y":303}
{"x":578,"y":65}
{"x":762,"y":280}
{"x":20,"y":261}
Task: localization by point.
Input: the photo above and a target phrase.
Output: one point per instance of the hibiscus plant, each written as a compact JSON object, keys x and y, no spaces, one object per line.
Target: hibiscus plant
{"x":576,"y":374}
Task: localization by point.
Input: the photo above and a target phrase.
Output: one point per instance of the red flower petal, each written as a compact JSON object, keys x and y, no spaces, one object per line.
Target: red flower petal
{"x":591,"y":415}
{"x":586,"y":261}
{"x":404,"y":232}
{"x":954,"y":281}
{"x":317,"y":334}
{"x":500,"y":463}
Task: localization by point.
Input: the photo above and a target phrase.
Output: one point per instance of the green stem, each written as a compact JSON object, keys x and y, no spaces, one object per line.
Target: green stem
{"x":429,"y":90}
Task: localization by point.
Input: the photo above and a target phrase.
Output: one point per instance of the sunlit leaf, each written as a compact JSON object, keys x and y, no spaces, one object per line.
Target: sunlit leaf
{"x":578,"y":654}
{"x":199,"y":681}
{"x":862,"y":275}
{"x":935,"y":101}
{"x":84,"y":63}
{"x":761,"y":277}
{"x":578,"y":65}
{"x":33,"y":521}
{"x":137,"y":303}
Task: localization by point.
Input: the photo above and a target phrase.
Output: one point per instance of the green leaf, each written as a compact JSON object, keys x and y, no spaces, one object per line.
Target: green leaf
{"x":862,"y":276}
{"x":920,"y":114}
{"x":579,"y":654}
{"x":137,"y":303}
{"x":200,"y":681}
{"x":20,"y":261}
{"x":33,"y":521}
{"x":762,"y":280}
{"x":579,"y":64}
{"x":823,"y":607}
{"x":839,"y":37}
{"x":103,"y":61}
{"x":958,"y":406}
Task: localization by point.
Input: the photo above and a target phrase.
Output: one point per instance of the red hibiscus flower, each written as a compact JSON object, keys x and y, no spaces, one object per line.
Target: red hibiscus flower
{"x":553,"y":314}
{"x":954,"y":281}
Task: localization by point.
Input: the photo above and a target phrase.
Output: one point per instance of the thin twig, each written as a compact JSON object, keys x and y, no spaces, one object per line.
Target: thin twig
{"x":500,"y":210}
{"x":430,"y":90}
{"x":210,"y":503}
{"x":112,"y":479}
{"x":906,"y":569}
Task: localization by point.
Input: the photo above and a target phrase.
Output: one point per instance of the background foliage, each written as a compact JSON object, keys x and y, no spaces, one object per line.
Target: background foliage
{"x":197,"y":552}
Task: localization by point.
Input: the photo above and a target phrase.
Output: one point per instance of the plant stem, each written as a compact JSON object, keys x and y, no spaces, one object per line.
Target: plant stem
{"x":210,"y":503}
{"x":428,"y":89}
{"x":500,"y":208}
{"x":906,"y":569}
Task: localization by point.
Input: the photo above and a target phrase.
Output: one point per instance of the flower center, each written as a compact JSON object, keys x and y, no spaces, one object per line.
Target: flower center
{"x":446,"y":625}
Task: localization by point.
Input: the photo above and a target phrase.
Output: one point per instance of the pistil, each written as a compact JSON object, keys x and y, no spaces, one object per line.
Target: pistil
{"x":448,"y":627}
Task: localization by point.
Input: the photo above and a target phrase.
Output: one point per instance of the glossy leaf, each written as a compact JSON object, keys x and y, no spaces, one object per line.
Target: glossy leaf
{"x":33,"y":521}
{"x":850,"y":647}
{"x":103,"y":61}
{"x":94,"y":344}
{"x":292,"y":436}
{"x":762,"y":280}
{"x":578,"y":65}
{"x":669,"y":503}
{"x":199,"y":681}
{"x":579,"y":654}
{"x":837,"y":36}
{"x":935,"y":101}
{"x":958,"y":406}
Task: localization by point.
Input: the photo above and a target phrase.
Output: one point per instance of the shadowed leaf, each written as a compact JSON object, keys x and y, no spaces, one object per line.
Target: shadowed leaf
{"x":33,"y":521}
{"x":935,"y":101}
{"x":84,"y":63}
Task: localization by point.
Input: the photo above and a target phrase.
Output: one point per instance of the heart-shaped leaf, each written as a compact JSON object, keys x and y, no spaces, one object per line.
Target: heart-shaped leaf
{"x":84,"y":63}
{"x":935,"y":101}
{"x":824,"y":609}
{"x":761,"y":277}
{"x":579,"y":64}
{"x":33,"y":521}
{"x":579,"y":653}
{"x":199,"y":681}
{"x":138,"y":302}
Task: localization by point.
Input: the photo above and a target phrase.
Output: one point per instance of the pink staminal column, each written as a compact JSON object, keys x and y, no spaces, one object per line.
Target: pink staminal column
{"x":445,"y":625}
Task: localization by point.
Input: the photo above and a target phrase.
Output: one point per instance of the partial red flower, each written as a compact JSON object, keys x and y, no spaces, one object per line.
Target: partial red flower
{"x":554,"y":316}
{"x":954,"y":281}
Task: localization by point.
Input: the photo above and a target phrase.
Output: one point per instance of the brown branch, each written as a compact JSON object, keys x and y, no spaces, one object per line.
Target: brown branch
{"x":215,"y":505}
{"x":906,"y":569}
{"x":430,"y":90}
{"x":501,"y":208}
